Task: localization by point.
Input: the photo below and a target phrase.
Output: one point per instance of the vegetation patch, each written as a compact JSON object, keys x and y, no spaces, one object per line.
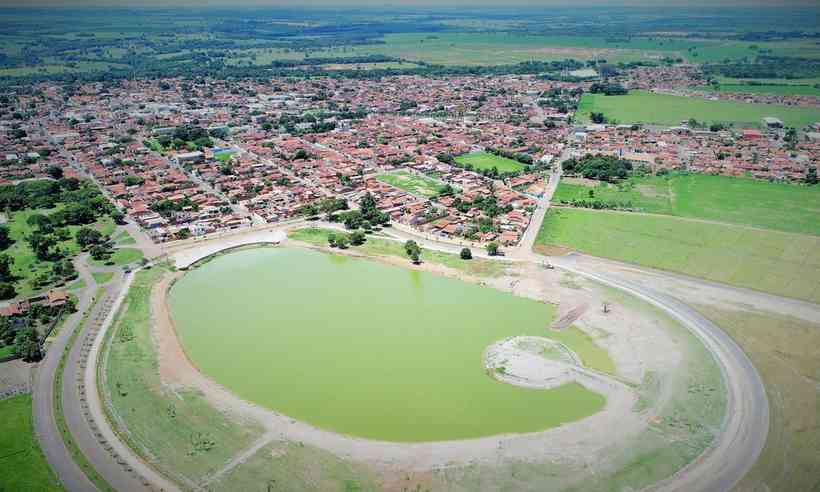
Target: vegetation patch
{"x":487,"y":161}
{"x":22,"y":464}
{"x":770,"y":261}
{"x":741,"y":201}
{"x":663,"y":109}
{"x":786,"y":353}
{"x":415,"y":184}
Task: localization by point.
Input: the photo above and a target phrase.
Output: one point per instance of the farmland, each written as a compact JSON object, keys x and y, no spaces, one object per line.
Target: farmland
{"x":22,"y":464}
{"x":487,"y":161}
{"x":663,"y":109}
{"x":415,"y":184}
{"x":766,"y":260}
{"x":740,"y":201}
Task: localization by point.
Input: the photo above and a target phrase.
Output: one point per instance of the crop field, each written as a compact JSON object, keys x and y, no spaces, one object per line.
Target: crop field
{"x":485,"y":160}
{"x":22,"y":464}
{"x":415,"y":184}
{"x":741,"y":201}
{"x":663,"y":109}
{"x":766,"y":260}
{"x":786,"y":353}
{"x":415,"y":356}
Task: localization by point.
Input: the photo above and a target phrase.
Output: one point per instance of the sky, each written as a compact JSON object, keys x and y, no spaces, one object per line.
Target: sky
{"x":345,"y":4}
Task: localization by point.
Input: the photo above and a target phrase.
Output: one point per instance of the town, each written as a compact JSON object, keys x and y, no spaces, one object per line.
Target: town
{"x":455,"y":157}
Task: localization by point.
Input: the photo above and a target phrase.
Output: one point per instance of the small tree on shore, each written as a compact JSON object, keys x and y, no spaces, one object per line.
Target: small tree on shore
{"x":492,"y":249}
{"x":413,"y":251}
{"x":466,"y":254}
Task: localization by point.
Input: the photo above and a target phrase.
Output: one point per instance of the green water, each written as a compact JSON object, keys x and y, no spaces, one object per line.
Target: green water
{"x":363,"y":348}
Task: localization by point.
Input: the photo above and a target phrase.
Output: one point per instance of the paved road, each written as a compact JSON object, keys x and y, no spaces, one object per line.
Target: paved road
{"x":45,"y":425}
{"x":746,"y":422}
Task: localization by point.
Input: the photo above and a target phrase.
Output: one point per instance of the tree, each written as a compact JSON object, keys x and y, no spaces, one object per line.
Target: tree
{"x":100,"y":252}
{"x":55,"y":172}
{"x":331,"y":240}
{"x":87,"y":237}
{"x":7,"y":291}
{"x":118,"y":217}
{"x":342,"y":242}
{"x":811,"y":176}
{"x":5,"y":238}
{"x":413,"y":251}
{"x":597,"y":117}
{"x":5,"y":268}
{"x":492,"y":249}
{"x":27,"y":345}
{"x":41,"y":245}
{"x":357,"y":238}
{"x":466,"y":254}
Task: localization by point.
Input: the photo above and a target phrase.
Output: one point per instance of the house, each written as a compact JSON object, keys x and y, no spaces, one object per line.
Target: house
{"x":772,"y":122}
{"x":189,"y":157}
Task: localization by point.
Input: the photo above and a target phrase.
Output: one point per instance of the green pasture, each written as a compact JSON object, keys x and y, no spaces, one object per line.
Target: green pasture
{"x":22,"y":464}
{"x":766,"y":260}
{"x":741,"y":201}
{"x":485,"y":160}
{"x":663,"y":109}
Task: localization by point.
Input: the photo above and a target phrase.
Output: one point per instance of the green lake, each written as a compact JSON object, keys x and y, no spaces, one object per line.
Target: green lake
{"x":364,"y":349}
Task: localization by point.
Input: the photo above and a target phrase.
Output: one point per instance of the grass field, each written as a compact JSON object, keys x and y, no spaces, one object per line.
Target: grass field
{"x":176,"y":428}
{"x":6,"y":350}
{"x":662,"y":109}
{"x":415,"y":184}
{"x":22,"y":464}
{"x":741,"y":201}
{"x":386,"y":247}
{"x":786,"y":353}
{"x":102,"y":278}
{"x":413,"y":348}
{"x":121,"y":256}
{"x":774,"y":89}
{"x":485,"y":160}
{"x":770,"y":261}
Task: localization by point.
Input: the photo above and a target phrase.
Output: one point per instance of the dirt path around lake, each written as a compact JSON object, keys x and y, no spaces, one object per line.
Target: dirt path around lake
{"x":571,"y":443}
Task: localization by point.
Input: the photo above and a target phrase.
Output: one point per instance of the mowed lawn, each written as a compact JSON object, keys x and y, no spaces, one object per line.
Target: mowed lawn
{"x":22,"y":464}
{"x":741,"y":201}
{"x":776,"y":262}
{"x":415,"y":184}
{"x":485,"y":160}
{"x":663,"y":109}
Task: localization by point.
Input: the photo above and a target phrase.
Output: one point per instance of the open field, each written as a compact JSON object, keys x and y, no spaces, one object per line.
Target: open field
{"x":22,"y":464}
{"x":415,"y":184}
{"x":770,"y":261}
{"x":485,"y":160}
{"x":786,"y":353}
{"x":416,"y":363}
{"x":663,"y":109}
{"x":742,"y":201}
{"x":386,"y":247}
{"x":775,"y":89}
